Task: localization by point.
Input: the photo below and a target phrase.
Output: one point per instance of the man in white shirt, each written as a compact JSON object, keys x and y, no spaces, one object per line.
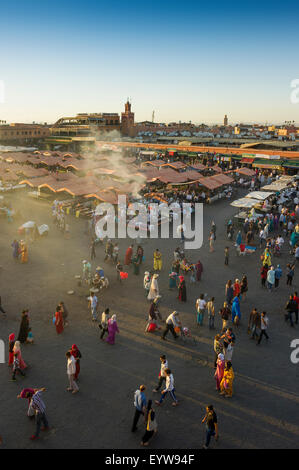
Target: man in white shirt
{"x":71,"y":370}
{"x":169,"y":387}
{"x":172,"y":322}
{"x":162,"y":375}
{"x":280,"y":241}
{"x":200,"y":307}
{"x":93,"y":301}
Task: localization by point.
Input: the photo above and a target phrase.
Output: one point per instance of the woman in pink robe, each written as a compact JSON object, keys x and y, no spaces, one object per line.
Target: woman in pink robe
{"x":219,"y":370}
{"x":17,"y":352}
{"x":112,"y":330}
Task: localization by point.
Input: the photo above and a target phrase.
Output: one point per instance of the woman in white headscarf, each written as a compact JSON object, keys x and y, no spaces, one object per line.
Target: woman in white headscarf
{"x":154,"y":288}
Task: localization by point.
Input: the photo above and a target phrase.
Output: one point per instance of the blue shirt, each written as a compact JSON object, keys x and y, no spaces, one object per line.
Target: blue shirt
{"x":139,"y":400}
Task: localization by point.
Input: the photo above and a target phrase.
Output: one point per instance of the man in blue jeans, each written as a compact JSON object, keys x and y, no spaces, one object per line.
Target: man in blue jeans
{"x":140,"y":406}
{"x":40,"y":412}
{"x":211,"y":425}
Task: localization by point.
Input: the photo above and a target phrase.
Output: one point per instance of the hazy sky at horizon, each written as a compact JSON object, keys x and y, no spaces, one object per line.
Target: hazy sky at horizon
{"x":185,"y":60}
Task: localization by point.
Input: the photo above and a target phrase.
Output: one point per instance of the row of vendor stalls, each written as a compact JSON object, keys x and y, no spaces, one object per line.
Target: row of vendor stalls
{"x":257,"y":203}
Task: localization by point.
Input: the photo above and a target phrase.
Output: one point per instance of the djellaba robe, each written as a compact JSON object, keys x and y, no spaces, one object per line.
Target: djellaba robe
{"x":219,"y":372}
{"x":199,"y":271}
{"x":182,"y":291}
{"x":128,"y":257}
{"x":112,"y":330}
{"x":59,"y":322}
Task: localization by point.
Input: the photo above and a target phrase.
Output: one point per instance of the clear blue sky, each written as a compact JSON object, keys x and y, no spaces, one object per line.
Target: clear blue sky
{"x":187,"y":60}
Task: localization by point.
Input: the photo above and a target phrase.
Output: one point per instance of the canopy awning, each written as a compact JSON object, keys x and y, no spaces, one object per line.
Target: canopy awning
{"x":270,"y":164}
{"x":245,"y":203}
{"x":259,"y":195}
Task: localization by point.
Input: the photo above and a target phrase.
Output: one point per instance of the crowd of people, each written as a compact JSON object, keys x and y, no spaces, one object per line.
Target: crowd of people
{"x":270,"y":232}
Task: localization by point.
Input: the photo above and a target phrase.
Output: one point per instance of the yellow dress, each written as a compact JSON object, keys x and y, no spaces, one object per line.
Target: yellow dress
{"x":157,"y":261}
{"x":24,"y":254}
{"x":228,"y":378}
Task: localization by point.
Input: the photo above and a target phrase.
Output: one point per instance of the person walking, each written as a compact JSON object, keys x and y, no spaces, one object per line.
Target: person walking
{"x":263,"y":273}
{"x":200,"y":308}
{"x":17,"y":351}
{"x":157,"y":260}
{"x":226,"y":385}
{"x":290,"y":308}
{"x":213,"y":229}
{"x":226,"y":255}
{"x":225,"y":313}
{"x":58,"y":320}
{"x":210,"y":419}
{"x":64,"y":313}
{"x":254,"y":323}
{"x":182,"y":289}
{"x":154,"y":288}
{"x":211,"y":313}
{"x":162,"y":373}
{"x":290,"y":274}
{"x":264,"y":327}
{"x":296,"y":299}
{"x":112,"y":330}
{"x":16,"y":367}
{"x":104,"y":323}
{"x":128,"y":256}
{"x":15,"y":250}
{"x":140,"y":404}
{"x":218,"y":349}
{"x":243,"y":287}
{"x":39,"y":407}
{"x":172,"y":322}
{"x":278,"y":274}
{"x":151,"y":426}
{"x":77,"y":355}
{"x":71,"y":371}
{"x":229,"y":292}
{"x":236,"y":311}
{"x":24,"y":327}
{"x":93,"y":303}
{"x":219,"y":370}
{"x":271,"y":278}
{"x":11,"y":343}
{"x":153,"y":315}
{"x":147,"y":282}
{"x":169,"y":388}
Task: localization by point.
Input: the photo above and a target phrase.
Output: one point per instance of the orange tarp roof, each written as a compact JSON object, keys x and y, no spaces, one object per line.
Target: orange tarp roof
{"x":176,"y":165}
{"x":223,"y":179}
{"x":245,"y":171}
{"x":209,"y":183}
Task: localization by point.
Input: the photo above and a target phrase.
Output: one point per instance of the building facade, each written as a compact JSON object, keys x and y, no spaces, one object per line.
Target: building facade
{"x":18,"y":133}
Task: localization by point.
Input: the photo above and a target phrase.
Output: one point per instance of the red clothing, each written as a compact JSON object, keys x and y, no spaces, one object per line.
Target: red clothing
{"x":77,"y":355}
{"x":59,"y":322}
{"x":296,"y":300}
{"x":128,"y":257}
{"x":237,"y":289}
{"x":264,"y":272}
{"x":11,"y":344}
